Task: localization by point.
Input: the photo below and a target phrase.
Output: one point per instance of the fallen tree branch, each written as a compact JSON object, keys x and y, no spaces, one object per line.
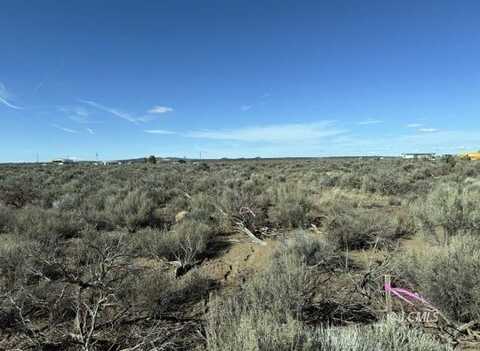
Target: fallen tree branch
{"x":245,"y":230}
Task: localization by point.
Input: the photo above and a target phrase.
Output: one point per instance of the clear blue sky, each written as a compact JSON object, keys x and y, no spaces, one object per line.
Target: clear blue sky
{"x":237,"y":78}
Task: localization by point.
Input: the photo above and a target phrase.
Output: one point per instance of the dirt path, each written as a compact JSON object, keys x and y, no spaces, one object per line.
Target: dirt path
{"x":239,"y":261}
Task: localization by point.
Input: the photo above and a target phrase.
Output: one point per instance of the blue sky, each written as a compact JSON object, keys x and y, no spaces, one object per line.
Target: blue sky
{"x":237,"y":78}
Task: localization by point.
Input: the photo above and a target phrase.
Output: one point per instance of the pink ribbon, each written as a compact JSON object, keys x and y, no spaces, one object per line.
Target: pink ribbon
{"x":406,"y":295}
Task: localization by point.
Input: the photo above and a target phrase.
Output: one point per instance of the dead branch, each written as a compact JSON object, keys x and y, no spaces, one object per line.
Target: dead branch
{"x":242,"y":228}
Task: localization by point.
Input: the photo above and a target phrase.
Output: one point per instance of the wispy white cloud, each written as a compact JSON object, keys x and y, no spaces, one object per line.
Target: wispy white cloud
{"x":9,"y":104}
{"x":160,"y":109}
{"x":115,"y":112}
{"x":159,"y":131}
{"x":90,"y":131}
{"x":68,"y":130}
{"x":77,"y":110}
{"x":428,"y":130}
{"x":78,"y":114}
{"x":79,"y":119}
{"x":156,"y":110}
{"x":246,"y":107}
{"x":419,"y":127}
{"x":369,"y":121}
{"x":146,"y":118}
{"x":5,"y":97}
{"x":279,"y":133}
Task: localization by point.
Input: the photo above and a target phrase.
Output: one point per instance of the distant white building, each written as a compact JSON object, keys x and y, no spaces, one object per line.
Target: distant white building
{"x":419,"y":156}
{"x":62,"y":161}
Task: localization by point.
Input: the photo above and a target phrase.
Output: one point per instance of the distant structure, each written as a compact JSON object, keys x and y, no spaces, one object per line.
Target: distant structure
{"x":62,"y":161}
{"x":419,"y":156}
{"x":473,"y":156}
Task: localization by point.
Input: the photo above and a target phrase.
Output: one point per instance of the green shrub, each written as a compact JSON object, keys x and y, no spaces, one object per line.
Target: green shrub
{"x":358,"y":228}
{"x":203,"y":209}
{"x":132,"y":211}
{"x":252,"y":331}
{"x":386,"y":182}
{"x":350,"y":181}
{"x":449,"y":276}
{"x":291,"y":207}
{"x":453,"y":208}
{"x":312,"y":250}
{"x":388,"y":335}
{"x":185,"y":242}
{"x":38,"y":224}
{"x":239,"y":199}
{"x":67,"y":202}
{"x":18,"y":191}
{"x":203,"y":166}
{"x":164,"y":217}
{"x":6,"y":219}
{"x":12,"y":257}
{"x":160,"y":292}
{"x":329,"y":180}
